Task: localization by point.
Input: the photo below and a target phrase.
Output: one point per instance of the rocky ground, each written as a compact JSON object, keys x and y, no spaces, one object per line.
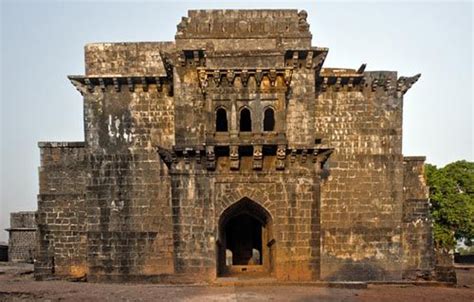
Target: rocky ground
{"x":17,"y":284}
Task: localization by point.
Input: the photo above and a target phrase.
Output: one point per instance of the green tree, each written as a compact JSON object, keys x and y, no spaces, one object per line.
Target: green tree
{"x":452,"y":202}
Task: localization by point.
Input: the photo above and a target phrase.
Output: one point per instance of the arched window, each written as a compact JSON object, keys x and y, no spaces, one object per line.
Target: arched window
{"x":221,"y":120}
{"x":269,"y":120}
{"x":245,"y":120}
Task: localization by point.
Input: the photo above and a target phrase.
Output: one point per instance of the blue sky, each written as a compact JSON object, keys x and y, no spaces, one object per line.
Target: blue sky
{"x":42,"y":42}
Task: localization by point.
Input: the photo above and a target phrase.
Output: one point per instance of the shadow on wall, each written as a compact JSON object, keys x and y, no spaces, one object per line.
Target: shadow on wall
{"x":365,"y":270}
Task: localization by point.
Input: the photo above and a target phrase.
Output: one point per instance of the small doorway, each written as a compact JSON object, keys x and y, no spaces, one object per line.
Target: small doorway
{"x":245,"y":244}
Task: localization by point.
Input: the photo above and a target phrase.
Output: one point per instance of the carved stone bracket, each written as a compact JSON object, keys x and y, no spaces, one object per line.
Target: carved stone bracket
{"x":304,"y":155}
{"x":81,"y":87}
{"x":388,"y":83}
{"x":217,"y":77}
{"x":144,"y":83}
{"x":198,"y":156}
{"x":374,"y":84}
{"x":312,"y":58}
{"x":319,"y":60}
{"x":405,"y":83}
{"x":116,"y":84}
{"x":349,"y":81}
{"x":130,"y":85}
{"x":338,"y":85}
{"x":211,"y":158}
{"x":234,"y":157}
{"x":186,"y":154}
{"x":258,"y":77}
{"x":230,"y":76}
{"x":272,"y":75}
{"x":257,"y":157}
{"x":203,"y":81}
{"x":192,"y":57}
{"x":167,"y":156}
{"x":320,"y":156}
{"x":281,"y":157}
{"x":293,"y":155}
{"x":244,"y":77}
{"x":89,"y":85}
{"x":309,"y":59}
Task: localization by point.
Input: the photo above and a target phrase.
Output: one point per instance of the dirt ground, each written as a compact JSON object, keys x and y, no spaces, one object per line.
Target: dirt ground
{"x":17,"y":284}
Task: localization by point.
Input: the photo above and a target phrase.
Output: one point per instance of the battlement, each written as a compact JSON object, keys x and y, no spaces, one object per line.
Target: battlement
{"x":240,"y":28}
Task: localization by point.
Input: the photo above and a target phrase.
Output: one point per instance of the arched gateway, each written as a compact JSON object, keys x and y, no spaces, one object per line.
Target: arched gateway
{"x":245,"y":241}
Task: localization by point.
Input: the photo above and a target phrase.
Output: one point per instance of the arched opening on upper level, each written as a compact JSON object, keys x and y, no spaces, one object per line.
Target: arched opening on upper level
{"x":245,"y":121}
{"x":221,"y":120}
{"x":269,"y":120}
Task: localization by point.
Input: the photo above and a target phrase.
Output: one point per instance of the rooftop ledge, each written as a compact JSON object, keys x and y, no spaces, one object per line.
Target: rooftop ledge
{"x":414,"y":158}
{"x":61,"y":144}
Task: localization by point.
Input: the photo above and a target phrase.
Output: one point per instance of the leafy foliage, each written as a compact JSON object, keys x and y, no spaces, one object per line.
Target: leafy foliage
{"x":452,"y":200}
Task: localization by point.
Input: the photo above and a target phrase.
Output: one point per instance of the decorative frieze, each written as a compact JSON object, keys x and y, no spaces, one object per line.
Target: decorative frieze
{"x":297,"y":155}
{"x":216,"y":76}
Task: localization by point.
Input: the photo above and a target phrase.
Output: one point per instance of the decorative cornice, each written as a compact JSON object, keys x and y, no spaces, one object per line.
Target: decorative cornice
{"x":340,"y":78}
{"x":317,"y":154}
{"x":312,"y":58}
{"x":218,"y":76}
{"x":86,"y":84}
{"x":192,"y":57}
{"x":388,"y":82}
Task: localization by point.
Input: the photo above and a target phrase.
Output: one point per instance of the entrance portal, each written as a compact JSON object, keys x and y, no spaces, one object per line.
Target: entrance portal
{"x":245,"y":239}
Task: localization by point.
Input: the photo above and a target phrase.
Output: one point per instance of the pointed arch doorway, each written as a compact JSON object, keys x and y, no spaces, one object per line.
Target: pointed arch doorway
{"x":245,"y":242}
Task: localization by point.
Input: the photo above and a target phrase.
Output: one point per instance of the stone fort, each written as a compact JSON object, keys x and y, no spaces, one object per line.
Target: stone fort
{"x":233,"y":151}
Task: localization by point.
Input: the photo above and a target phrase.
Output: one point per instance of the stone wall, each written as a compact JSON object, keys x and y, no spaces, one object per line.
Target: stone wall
{"x":361,"y":199}
{"x":417,"y":239}
{"x":128,"y":193}
{"x":22,"y":235}
{"x":118,"y":59}
{"x":128,"y":217}
{"x":61,"y":241}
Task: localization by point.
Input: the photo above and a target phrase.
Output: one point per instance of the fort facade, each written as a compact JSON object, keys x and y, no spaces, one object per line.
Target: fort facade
{"x":233,"y":150}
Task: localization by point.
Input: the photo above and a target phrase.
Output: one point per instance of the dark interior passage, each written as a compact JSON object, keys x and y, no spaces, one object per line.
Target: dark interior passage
{"x":244,"y":240}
